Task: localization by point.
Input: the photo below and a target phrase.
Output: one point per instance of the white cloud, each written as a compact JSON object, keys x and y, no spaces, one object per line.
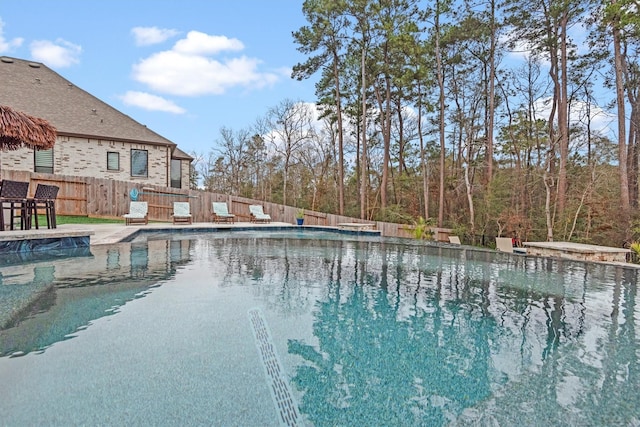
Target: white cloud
{"x":8,"y":45}
{"x":58,"y":54}
{"x":601,"y":120}
{"x":521,"y":50}
{"x":189,"y":70}
{"x":151,"y":102}
{"x":198,"y":43}
{"x":284,"y":72}
{"x":145,"y":36}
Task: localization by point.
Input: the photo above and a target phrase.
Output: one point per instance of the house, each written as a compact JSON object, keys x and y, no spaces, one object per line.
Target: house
{"x":94,"y":139}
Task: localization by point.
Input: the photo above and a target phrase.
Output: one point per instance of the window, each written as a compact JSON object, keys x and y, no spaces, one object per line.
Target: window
{"x":43,"y":160}
{"x":176,"y":173}
{"x":113,"y":161}
{"x":139,"y":163}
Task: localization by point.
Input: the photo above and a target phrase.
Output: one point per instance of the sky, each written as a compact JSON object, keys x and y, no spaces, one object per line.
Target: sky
{"x":185,"y":69}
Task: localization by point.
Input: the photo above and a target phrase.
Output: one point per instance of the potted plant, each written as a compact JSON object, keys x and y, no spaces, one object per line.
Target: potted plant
{"x":300,"y":216}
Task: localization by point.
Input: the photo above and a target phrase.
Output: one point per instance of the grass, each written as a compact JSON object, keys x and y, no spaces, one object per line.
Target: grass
{"x":66,"y":219}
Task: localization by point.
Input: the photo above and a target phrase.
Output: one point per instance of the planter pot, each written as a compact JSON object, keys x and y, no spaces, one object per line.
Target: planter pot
{"x":300,"y":221}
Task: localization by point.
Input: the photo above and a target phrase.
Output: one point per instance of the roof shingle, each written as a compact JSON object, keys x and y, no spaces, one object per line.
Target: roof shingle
{"x":35,"y":89}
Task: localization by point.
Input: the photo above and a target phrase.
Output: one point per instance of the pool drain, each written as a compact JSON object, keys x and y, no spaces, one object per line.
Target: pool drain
{"x":278,"y":384}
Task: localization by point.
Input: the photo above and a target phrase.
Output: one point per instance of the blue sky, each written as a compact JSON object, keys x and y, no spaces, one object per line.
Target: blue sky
{"x":185,"y":68}
{"x":182,"y":68}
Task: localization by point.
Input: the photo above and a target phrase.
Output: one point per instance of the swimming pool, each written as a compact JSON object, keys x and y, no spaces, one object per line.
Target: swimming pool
{"x":296,"y":328}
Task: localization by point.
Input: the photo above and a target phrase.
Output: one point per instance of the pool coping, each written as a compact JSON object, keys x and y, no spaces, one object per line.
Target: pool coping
{"x":43,"y":240}
{"x":81,"y":235}
{"x":123,"y":236}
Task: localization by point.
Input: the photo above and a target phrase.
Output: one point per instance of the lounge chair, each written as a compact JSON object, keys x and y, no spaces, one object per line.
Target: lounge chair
{"x":137,"y":214}
{"x":504,"y":244}
{"x":182,"y":213}
{"x":455,"y":240}
{"x":258,"y":215}
{"x":221,"y":213}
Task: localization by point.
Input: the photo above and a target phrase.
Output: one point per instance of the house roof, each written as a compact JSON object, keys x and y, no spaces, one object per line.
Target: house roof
{"x":179,"y":154}
{"x":33,"y":88}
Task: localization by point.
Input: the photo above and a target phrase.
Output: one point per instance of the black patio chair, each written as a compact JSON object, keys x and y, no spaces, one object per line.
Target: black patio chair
{"x":45,"y":198}
{"x":13,"y":196}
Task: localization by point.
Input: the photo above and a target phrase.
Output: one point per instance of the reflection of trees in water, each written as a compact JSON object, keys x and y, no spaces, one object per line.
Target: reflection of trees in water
{"x":422,"y":335}
{"x":372,"y":365}
{"x":409,"y":337}
{"x":285,"y":273}
{"x":588,"y":379}
{"x":408,"y":334}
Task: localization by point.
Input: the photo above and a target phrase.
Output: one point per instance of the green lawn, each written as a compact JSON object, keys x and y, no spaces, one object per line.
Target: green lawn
{"x":64,"y":219}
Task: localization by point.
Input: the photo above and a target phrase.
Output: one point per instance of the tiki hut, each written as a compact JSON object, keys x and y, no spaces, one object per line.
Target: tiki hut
{"x":19,"y":130}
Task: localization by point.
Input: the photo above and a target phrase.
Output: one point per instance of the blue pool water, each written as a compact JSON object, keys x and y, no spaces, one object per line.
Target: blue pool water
{"x":296,"y":328}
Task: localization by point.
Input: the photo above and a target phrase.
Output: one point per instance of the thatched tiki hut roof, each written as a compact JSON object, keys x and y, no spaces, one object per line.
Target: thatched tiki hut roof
{"x":18,"y":130}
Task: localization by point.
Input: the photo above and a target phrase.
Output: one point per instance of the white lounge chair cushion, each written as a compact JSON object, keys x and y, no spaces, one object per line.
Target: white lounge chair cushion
{"x":258,"y":213}
{"x":220,"y":209}
{"x":137,"y":210}
{"x":182,"y":209}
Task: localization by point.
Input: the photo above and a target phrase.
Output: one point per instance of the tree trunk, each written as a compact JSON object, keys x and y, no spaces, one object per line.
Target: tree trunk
{"x":469,"y":188}
{"x":424,"y":165}
{"x":634,"y":154}
{"x":363,"y":160}
{"x":547,"y":205}
{"x":563,"y":119}
{"x":633,"y":95}
{"x":622,"y":139}
{"x":491,"y":95}
{"x":384,"y":104}
{"x":440,"y":77}
{"x":336,"y":74}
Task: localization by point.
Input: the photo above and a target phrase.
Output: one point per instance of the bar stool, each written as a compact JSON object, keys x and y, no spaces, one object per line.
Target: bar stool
{"x":44,"y":198}
{"x":13,"y":196}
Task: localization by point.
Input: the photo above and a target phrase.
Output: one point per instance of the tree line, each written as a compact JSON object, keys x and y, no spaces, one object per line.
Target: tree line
{"x":422,"y":114}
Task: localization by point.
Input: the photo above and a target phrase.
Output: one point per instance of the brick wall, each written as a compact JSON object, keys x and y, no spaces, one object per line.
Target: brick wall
{"x":88,"y":158}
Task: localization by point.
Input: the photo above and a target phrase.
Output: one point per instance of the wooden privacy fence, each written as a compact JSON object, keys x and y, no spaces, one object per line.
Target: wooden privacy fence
{"x":107,"y":198}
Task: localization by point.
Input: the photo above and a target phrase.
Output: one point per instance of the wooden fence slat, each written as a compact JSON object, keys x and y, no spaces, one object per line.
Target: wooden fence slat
{"x":107,"y":198}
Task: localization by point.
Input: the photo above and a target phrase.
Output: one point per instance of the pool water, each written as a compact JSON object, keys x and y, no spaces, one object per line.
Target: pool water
{"x":297,"y":328}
